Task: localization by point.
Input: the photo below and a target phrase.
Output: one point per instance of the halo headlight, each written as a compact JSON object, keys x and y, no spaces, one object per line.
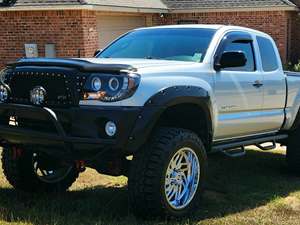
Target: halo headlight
{"x":110,"y":88}
{"x":96,"y":84}
{"x":113,"y":84}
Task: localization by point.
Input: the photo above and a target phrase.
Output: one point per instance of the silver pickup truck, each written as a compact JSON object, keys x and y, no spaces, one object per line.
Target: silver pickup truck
{"x":167,"y":96}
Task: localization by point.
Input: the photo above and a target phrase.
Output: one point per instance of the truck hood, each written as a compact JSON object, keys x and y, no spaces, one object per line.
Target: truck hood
{"x":138,"y":63}
{"x":100,"y":65}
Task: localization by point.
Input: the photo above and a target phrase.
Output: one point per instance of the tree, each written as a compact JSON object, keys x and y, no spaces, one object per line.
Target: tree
{"x":4,"y":3}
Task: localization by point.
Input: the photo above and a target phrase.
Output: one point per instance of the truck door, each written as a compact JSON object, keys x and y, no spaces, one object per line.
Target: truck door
{"x":274,"y":85}
{"x":238,"y":91}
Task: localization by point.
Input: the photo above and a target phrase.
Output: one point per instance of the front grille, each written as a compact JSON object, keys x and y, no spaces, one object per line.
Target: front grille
{"x":56,"y":84}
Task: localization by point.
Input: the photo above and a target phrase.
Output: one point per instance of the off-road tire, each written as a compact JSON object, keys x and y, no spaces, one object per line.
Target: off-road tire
{"x":293,"y":151}
{"x":148,"y":168}
{"x":18,"y":170}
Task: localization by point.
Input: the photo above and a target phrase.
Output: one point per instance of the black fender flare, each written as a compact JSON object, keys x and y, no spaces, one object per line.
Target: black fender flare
{"x":162,"y":100}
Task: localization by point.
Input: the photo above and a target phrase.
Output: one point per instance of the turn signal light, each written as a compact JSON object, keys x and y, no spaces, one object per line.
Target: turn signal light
{"x":93,"y":95}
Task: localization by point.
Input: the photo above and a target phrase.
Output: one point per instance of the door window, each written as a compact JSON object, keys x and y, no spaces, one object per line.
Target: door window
{"x":247,"y":49}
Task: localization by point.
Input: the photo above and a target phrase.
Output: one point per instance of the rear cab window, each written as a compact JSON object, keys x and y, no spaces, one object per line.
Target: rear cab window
{"x":268,"y":54}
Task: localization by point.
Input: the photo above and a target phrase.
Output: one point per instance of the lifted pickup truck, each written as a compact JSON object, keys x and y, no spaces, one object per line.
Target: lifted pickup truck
{"x":165,"y":95}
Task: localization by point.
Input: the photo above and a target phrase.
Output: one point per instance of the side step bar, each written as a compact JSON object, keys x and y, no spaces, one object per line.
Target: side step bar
{"x":268,"y":147}
{"x":221,"y":147}
{"x":234,"y":153}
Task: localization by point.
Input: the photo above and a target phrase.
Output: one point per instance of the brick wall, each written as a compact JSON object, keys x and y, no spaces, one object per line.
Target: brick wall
{"x":295,"y":37}
{"x":275,"y":23}
{"x":72,"y":30}
{"x":68,"y":30}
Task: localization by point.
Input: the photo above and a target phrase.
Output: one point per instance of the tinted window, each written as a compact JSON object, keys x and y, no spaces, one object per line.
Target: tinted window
{"x":268,"y":55}
{"x":186,"y":44}
{"x":247,"y":49}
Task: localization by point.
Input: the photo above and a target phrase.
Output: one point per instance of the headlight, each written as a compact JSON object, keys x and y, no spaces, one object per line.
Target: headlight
{"x":110,"y":88}
{"x":3,"y":93}
{"x":113,"y":84}
{"x":96,"y":84}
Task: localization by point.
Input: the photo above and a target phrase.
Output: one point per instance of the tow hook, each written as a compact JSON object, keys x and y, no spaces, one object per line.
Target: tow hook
{"x":80,"y":166}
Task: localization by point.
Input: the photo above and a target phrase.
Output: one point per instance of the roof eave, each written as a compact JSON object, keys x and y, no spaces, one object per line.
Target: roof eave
{"x":85,"y":7}
{"x":109,"y":8}
{"x":236,"y":9}
{"x":129,"y":9}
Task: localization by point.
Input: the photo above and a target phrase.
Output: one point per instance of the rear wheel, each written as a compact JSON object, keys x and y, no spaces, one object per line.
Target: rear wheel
{"x":36,"y":172}
{"x":167,"y":176}
{"x":293,"y":151}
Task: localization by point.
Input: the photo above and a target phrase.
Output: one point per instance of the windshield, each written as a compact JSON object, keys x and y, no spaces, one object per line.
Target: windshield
{"x":181,"y":44}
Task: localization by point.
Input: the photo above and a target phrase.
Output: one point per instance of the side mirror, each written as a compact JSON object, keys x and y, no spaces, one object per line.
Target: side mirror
{"x":231,"y":59}
{"x":97,"y":52}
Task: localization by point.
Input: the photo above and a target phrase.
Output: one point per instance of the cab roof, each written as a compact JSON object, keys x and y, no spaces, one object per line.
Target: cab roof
{"x":207,"y":26}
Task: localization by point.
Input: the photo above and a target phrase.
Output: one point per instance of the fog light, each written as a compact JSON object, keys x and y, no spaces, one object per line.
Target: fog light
{"x":3,"y":93}
{"x":110,"y":128}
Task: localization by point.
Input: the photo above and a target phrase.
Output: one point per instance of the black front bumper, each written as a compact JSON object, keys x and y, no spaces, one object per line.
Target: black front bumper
{"x":70,"y":132}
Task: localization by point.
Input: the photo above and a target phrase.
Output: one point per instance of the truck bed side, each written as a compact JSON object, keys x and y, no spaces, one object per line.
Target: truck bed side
{"x":293,"y":100}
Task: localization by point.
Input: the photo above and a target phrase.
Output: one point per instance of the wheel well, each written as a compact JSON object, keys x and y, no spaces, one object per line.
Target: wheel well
{"x":188,"y":116}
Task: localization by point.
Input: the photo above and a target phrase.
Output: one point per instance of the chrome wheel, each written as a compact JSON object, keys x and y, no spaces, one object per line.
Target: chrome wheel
{"x":49,"y":175}
{"x":182,"y":178}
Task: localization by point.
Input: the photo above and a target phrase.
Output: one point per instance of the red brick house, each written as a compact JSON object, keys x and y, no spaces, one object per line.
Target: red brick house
{"x":82,"y":26}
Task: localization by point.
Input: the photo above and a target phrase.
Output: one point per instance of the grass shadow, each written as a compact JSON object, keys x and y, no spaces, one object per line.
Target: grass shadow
{"x":234,"y":185}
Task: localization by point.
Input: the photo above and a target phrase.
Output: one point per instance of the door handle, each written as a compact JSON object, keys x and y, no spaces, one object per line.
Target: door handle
{"x":257,"y":84}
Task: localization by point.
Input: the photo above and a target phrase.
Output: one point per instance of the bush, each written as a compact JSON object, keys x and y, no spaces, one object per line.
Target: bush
{"x":297,"y":67}
{"x":292,"y":67}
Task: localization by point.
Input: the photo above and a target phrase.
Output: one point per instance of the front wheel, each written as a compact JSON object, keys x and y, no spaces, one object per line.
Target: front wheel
{"x":167,"y":177}
{"x":31,"y":171}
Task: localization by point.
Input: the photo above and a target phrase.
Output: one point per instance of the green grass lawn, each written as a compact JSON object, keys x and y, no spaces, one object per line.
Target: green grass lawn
{"x":254,"y":189}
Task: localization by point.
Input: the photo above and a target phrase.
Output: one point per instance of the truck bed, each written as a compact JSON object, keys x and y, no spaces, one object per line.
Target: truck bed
{"x":291,"y":73}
